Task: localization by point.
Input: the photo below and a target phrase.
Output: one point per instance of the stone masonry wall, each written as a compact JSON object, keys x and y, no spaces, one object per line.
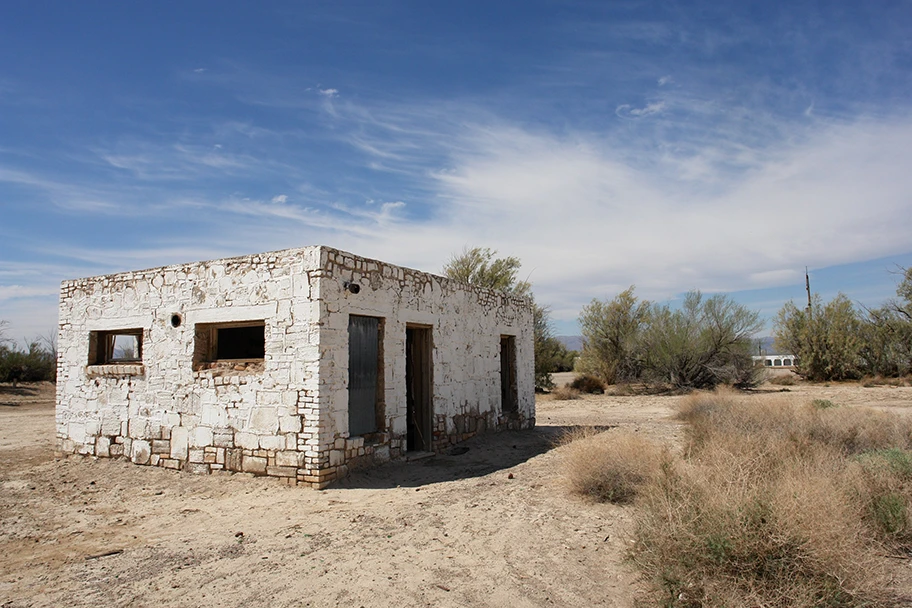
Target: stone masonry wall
{"x":164,"y":412}
{"x":286,"y":416}
{"x":466,"y":326}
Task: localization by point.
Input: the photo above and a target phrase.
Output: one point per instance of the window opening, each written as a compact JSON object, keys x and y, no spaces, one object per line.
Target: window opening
{"x":239,"y":342}
{"x":115,"y":346}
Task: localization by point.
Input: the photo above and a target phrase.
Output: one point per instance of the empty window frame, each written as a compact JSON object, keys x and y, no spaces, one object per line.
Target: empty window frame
{"x":239,"y":341}
{"x":115,"y":346}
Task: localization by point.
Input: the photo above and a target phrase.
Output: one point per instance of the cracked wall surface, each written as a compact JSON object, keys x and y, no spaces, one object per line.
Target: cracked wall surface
{"x":286,"y":415}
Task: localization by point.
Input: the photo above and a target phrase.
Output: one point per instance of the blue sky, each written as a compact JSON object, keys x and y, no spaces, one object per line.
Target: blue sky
{"x":675,"y":146}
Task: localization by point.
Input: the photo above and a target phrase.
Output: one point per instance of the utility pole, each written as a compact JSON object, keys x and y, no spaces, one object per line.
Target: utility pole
{"x":807,"y":283}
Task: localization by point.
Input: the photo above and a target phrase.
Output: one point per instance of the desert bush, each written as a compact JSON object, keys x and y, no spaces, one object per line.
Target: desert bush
{"x":704,"y":343}
{"x":607,"y":466}
{"x":784,"y":380}
{"x":826,"y":340}
{"x":33,"y":364}
{"x":776,"y":504}
{"x":886,"y":488}
{"x":585,"y":383}
{"x":612,"y":334}
{"x":836,"y":341}
{"x":714,"y":533}
{"x":871,"y":381}
{"x":565,"y":393}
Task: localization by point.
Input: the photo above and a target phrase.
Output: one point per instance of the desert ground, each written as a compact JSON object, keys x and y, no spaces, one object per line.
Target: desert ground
{"x":493,"y":526}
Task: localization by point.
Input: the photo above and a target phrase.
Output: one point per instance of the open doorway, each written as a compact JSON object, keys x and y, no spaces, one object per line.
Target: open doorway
{"x":509,"y":398}
{"x":418,"y":391}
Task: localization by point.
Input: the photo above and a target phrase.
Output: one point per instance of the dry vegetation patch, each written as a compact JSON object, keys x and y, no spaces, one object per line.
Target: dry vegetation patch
{"x":772,"y":503}
{"x":609,"y":466}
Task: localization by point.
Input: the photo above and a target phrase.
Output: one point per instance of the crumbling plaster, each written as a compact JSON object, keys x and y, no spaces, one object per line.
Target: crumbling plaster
{"x":289,"y":417}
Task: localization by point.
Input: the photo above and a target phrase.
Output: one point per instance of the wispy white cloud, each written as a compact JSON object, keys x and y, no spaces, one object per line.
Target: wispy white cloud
{"x":8,"y":292}
{"x":628,"y":111}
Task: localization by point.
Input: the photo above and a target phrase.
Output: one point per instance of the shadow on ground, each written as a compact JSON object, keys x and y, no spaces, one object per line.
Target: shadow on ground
{"x":483,"y":455}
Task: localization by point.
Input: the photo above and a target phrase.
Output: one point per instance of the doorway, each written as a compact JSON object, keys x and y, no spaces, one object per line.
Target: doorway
{"x":418,"y":391}
{"x":508,"y":391}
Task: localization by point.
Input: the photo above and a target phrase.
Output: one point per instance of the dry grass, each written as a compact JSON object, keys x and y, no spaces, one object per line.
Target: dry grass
{"x":783,"y":380}
{"x":588,"y":384}
{"x":609,"y":466}
{"x":869,"y":381}
{"x":774,"y":504}
{"x":564,"y":393}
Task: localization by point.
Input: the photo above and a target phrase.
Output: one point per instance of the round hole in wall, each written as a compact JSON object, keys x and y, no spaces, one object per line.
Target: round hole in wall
{"x":176,"y":320}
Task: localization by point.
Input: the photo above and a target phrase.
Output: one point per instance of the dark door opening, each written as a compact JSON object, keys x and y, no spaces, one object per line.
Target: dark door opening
{"x":509,"y":400}
{"x":364,"y":388}
{"x":419,"y":402}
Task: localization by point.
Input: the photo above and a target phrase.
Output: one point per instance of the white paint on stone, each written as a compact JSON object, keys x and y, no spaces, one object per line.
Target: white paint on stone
{"x":291,"y":409}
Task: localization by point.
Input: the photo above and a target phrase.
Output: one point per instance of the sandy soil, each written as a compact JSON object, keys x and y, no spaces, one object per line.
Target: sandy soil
{"x":490,"y":527}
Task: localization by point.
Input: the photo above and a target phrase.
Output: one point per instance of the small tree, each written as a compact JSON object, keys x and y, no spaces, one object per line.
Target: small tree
{"x":37,"y":362}
{"x":479,"y":266}
{"x":826,"y":340}
{"x":612,"y":337}
{"x":550,"y":354}
{"x":705,"y":343}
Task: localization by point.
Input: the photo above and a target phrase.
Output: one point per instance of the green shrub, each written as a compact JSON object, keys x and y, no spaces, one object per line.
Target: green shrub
{"x":34,"y":364}
{"x":838,"y":342}
{"x":704,"y":343}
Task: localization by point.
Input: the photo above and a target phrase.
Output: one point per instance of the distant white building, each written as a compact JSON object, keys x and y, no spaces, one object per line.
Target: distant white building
{"x":775,"y":360}
{"x":299,"y":364}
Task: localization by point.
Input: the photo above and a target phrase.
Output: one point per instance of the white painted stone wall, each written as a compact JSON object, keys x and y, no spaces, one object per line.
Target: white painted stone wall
{"x":288,"y":418}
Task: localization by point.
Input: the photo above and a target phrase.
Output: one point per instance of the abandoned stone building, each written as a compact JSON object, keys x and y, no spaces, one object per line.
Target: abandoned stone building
{"x":299,"y":364}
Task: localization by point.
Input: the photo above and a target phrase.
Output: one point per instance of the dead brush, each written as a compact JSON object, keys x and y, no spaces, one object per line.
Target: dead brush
{"x":719,"y":533}
{"x":782,"y":380}
{"x":588,"y":384}
{"x":872,"y":381}
{"x":609,"y":466}
{"x":777,"y":504}
{"x":564,"y":393}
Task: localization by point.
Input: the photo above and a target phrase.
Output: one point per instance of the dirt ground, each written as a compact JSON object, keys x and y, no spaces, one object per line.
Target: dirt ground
{"x":490,"y":527}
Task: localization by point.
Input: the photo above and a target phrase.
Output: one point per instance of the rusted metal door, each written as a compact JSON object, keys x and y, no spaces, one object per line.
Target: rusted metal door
{"x":363,"y":374}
